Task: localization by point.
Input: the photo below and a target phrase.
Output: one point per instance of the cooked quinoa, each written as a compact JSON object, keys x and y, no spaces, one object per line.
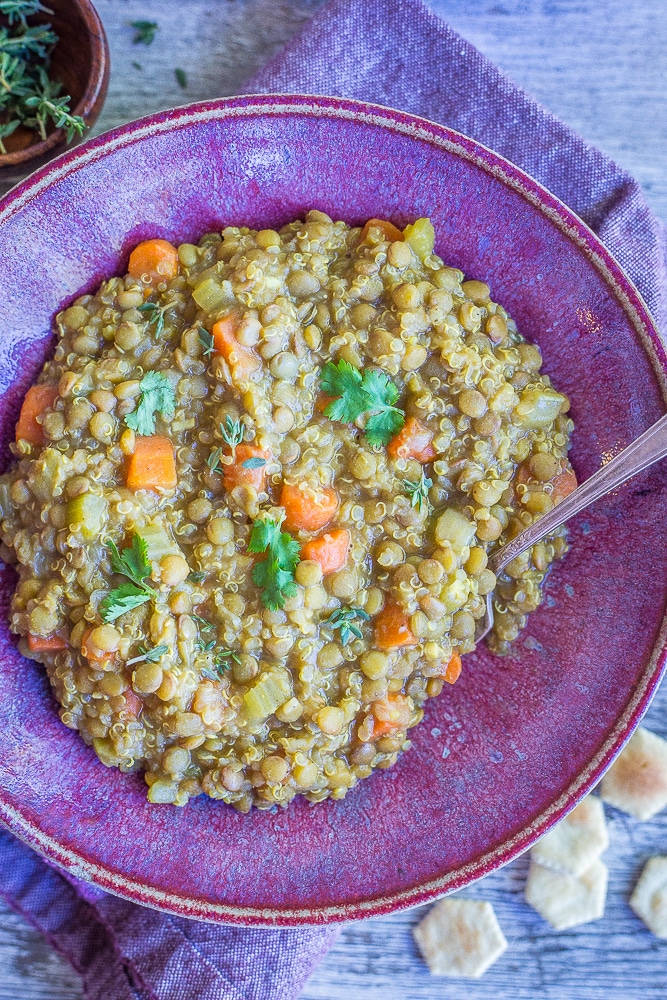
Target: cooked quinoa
{"x":238,"y":585}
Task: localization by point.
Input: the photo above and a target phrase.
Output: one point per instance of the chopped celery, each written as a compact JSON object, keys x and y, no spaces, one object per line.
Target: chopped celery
{"x":455,"y":528}
{"x":421,"y":237}
{"x":538,"y":407}
{"x":87,"y":514}
{"x":158,"y":542}
{"x":266,"y":695}
{"x":211,"y":295}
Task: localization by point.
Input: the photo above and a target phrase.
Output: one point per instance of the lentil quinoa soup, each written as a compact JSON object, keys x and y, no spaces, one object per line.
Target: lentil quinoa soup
{"x":253,"y":497}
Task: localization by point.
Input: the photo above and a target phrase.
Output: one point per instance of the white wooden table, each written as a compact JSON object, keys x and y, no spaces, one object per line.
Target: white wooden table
{"x":601,"y":65}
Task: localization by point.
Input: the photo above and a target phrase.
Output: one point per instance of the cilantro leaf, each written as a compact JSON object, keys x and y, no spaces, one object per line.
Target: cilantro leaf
{"x":275,"y":574}
{"x":133,"y":561}
{"x":157,"y":395}
{"x":122,"y":599}
{"x":370,"y":394}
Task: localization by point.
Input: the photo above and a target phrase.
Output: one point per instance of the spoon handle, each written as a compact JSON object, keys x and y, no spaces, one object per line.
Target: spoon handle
{"x":647,"y":449}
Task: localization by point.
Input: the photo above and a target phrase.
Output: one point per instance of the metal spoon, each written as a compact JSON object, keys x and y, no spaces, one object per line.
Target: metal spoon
{"x":647,"y":449}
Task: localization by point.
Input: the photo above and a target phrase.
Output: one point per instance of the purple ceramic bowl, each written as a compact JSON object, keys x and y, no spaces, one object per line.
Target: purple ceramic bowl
{"x":510,"y":749}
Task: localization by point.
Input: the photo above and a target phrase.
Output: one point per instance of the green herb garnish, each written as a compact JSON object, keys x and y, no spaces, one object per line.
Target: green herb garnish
{"x":148,"y":655}
{"x":28,"y":96}
{"x":144,"y":32}
{"x":213,"y":460}
{"x":370,"y":394}
{"x":232,"y":433}
{"x":196,"y":576}
{"x":122,"y":599}
{"x":133,"y":563}
{"x":275,"y":574}
{"x":137,"y":65}
{"x":205,"y":647}
{"x":155,"y":314}
{"x":345,"y":620}
{"x":418,"y":493}
{"x":224,"y":656}
{"x":253,"y":463}
{"x":157,"y":396}
{"x":222,"y":662}
{"x":181,"y":78}
{"x":19,"y":10}
{"x":207,"y":342}
{"x":204,"y":625}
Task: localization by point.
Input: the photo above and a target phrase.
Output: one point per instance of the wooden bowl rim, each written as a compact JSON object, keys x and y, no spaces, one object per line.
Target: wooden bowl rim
{"x":98,"y":78}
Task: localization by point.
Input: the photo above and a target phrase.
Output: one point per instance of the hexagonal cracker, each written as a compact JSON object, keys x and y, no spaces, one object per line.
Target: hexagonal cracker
{"x":567,"y":900}
{"x":649,"y":897}
{"x":637,"y":780}
{"x":460,"y":938}
{"x":577,"y":841}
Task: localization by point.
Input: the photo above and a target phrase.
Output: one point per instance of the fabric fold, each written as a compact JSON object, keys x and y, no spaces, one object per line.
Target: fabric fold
{"x":399,"y":54}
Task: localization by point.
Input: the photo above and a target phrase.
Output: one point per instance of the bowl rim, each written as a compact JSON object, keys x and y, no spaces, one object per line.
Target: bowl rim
{"x":637,"y":313}
{"x":97,"y":82}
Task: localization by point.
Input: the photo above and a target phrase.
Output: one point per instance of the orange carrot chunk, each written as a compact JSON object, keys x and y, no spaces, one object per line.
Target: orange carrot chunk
{"x":453,"y":668}
{"x":37,"y":399}
{"x":90,"y":651}
{"x":246,"y":471}
{"x":392,"y":628}
{"x":156,"y":260}
{"x":152,"y":466}
{"x":242,"y":360}
{"x":308,"y":509}
{"x":329,"y":550}
{"x":412,"y":441}
{"x":564,"y":484}
{"x":389,"y":230}
{"x":391,"y":713}
{"x":133,"y":704}
{"x":45,"y":644}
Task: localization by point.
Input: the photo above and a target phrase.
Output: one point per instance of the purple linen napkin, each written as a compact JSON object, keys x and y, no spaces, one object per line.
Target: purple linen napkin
{"x":359,"y":49}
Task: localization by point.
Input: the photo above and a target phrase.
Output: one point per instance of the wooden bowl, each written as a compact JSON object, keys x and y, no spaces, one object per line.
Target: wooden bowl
{"x":80,"y":61}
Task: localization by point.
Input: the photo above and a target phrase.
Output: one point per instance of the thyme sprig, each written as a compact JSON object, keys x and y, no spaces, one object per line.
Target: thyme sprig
{"x":28,"y":95}
{"x":418,"y":493}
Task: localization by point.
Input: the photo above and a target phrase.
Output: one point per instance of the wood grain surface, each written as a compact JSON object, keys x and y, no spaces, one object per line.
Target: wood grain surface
{"x":601,"y":65}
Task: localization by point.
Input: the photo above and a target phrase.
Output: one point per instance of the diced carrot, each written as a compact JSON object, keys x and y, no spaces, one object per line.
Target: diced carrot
{"x":37,"y":399}
{"x":45,"y":644}
{"x":155,"y":259}
{"x":90,"y":651}
{"x":133,"y":703}
{"x":564,"y":484}
{"x":392,"y":628}
{"x":308,"y":509}
{"x":329,"y":550}
{"x":453,"y":668}
{"x":412,"y":441}
{"x":390,"y":714}
{"x":239,"y":474}
{"x":152,"y":466}
{"x":389,"y":230}
{"x":242,"y":360}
